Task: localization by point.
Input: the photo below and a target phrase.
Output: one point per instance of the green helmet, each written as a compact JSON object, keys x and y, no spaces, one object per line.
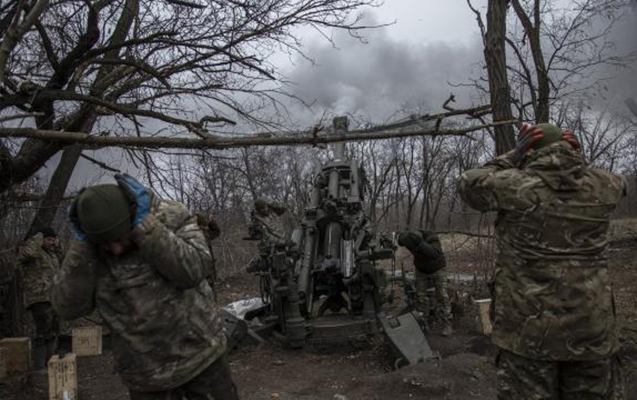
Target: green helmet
{"x":104,"y":213}
{"x":552,"y":134}
{"x":261,"y":205}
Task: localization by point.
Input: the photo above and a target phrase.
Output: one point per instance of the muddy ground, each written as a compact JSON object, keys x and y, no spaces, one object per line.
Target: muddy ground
{"x":271,"y":371}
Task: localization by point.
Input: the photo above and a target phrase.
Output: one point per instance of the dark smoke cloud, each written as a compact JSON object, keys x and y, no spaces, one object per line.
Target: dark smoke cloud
{"x":383,"y":75}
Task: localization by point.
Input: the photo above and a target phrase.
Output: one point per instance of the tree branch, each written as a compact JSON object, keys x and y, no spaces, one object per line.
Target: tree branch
{"x":185,"y":4}
{"x":17,"y":29}
{"x":221,"y":143}
{"x":100,"y":164}
{"x":20,"y":116}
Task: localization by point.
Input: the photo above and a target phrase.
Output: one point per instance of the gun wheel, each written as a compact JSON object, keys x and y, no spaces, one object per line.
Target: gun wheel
{"x":400,"y":363}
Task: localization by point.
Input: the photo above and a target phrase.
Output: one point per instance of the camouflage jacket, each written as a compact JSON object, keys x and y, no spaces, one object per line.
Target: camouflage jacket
{"x":154,"y":299}
{"x":553,"y":295}
{"x":270,"y":227}
{"x":428,"y":255}
{"x":38,"y":267}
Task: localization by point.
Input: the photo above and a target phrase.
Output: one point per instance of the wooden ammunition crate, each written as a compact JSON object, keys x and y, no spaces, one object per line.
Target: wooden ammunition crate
{"x":484,"y":316}
{"x":63,"y":377}
{"x":87,"y":341}
{"x":16,"y":354}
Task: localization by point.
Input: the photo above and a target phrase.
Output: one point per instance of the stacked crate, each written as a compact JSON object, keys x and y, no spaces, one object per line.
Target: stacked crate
{"x":15,"y":354}
{"x":62,"y":372}
{"x":87,"y":341}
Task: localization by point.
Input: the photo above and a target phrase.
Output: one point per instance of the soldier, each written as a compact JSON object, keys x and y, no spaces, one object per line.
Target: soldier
{"x":39,"y":260}
{"x":211,"y":231}
{"x":142,"y":261}
{"x":554,"y":313}
{"x":267,"y":226}
{"x":267,"y":223}
{"x":429,"y":263}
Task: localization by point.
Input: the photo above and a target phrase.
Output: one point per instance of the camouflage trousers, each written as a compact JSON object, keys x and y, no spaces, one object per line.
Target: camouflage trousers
{"x":214,"y":383}
{"x":524,"y":378}
{"x":438,"y":280}
{"x":46,"y":321}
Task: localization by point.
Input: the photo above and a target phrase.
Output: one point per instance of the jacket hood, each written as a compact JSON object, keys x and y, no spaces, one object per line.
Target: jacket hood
{"x":558,"y":165}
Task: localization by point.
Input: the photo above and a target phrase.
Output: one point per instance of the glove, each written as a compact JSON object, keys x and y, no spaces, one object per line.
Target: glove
{"x":409,"y":239}
{"x":78,"y":235}
{"x":569,"y":137}
{"x":528,"y":135}
{"x":137,"y":194}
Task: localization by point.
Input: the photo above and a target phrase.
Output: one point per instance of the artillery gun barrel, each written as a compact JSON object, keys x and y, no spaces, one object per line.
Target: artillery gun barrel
{"x":334,"y":184}
{"x":354,"y":190}
{"x":307,"y":262}
{"x":333,"y":236}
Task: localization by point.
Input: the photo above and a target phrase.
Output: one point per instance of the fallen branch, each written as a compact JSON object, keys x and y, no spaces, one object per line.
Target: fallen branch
{"x":421,"y":119}
{"x":221,"y":142}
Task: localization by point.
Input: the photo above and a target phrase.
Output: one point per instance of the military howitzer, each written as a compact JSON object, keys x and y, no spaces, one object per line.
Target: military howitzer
{"x":325,"y":286}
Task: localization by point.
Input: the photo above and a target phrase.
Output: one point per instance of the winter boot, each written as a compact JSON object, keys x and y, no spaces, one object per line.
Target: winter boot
{"x":39,"y":358}
{"x":51,"y":349}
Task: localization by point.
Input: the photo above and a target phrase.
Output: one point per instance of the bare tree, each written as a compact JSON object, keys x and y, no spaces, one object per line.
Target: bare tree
{"x":130,"y":66}
{"x":604,"y":135}
{"x":559,"y":52}
{"x":494,"y":36}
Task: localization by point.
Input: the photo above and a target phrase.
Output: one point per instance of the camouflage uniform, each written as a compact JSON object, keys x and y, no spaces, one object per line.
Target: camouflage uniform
{"x":269,"y":226}
{"x":154,"y":299}
{"x":428,"y":256}
{"x":38,"y":266}
{"x":553,"y":296}
{"x":438,"y":280}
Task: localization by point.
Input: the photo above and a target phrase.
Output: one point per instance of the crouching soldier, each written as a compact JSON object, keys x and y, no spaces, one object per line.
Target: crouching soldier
{"x":429,"y":264}
{"x":142,"y":261}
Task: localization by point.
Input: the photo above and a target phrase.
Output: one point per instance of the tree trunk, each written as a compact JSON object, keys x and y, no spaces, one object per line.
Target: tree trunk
{"x":495,"y":57}
{"x":55,"y":192}
{"x":542,"y":108}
